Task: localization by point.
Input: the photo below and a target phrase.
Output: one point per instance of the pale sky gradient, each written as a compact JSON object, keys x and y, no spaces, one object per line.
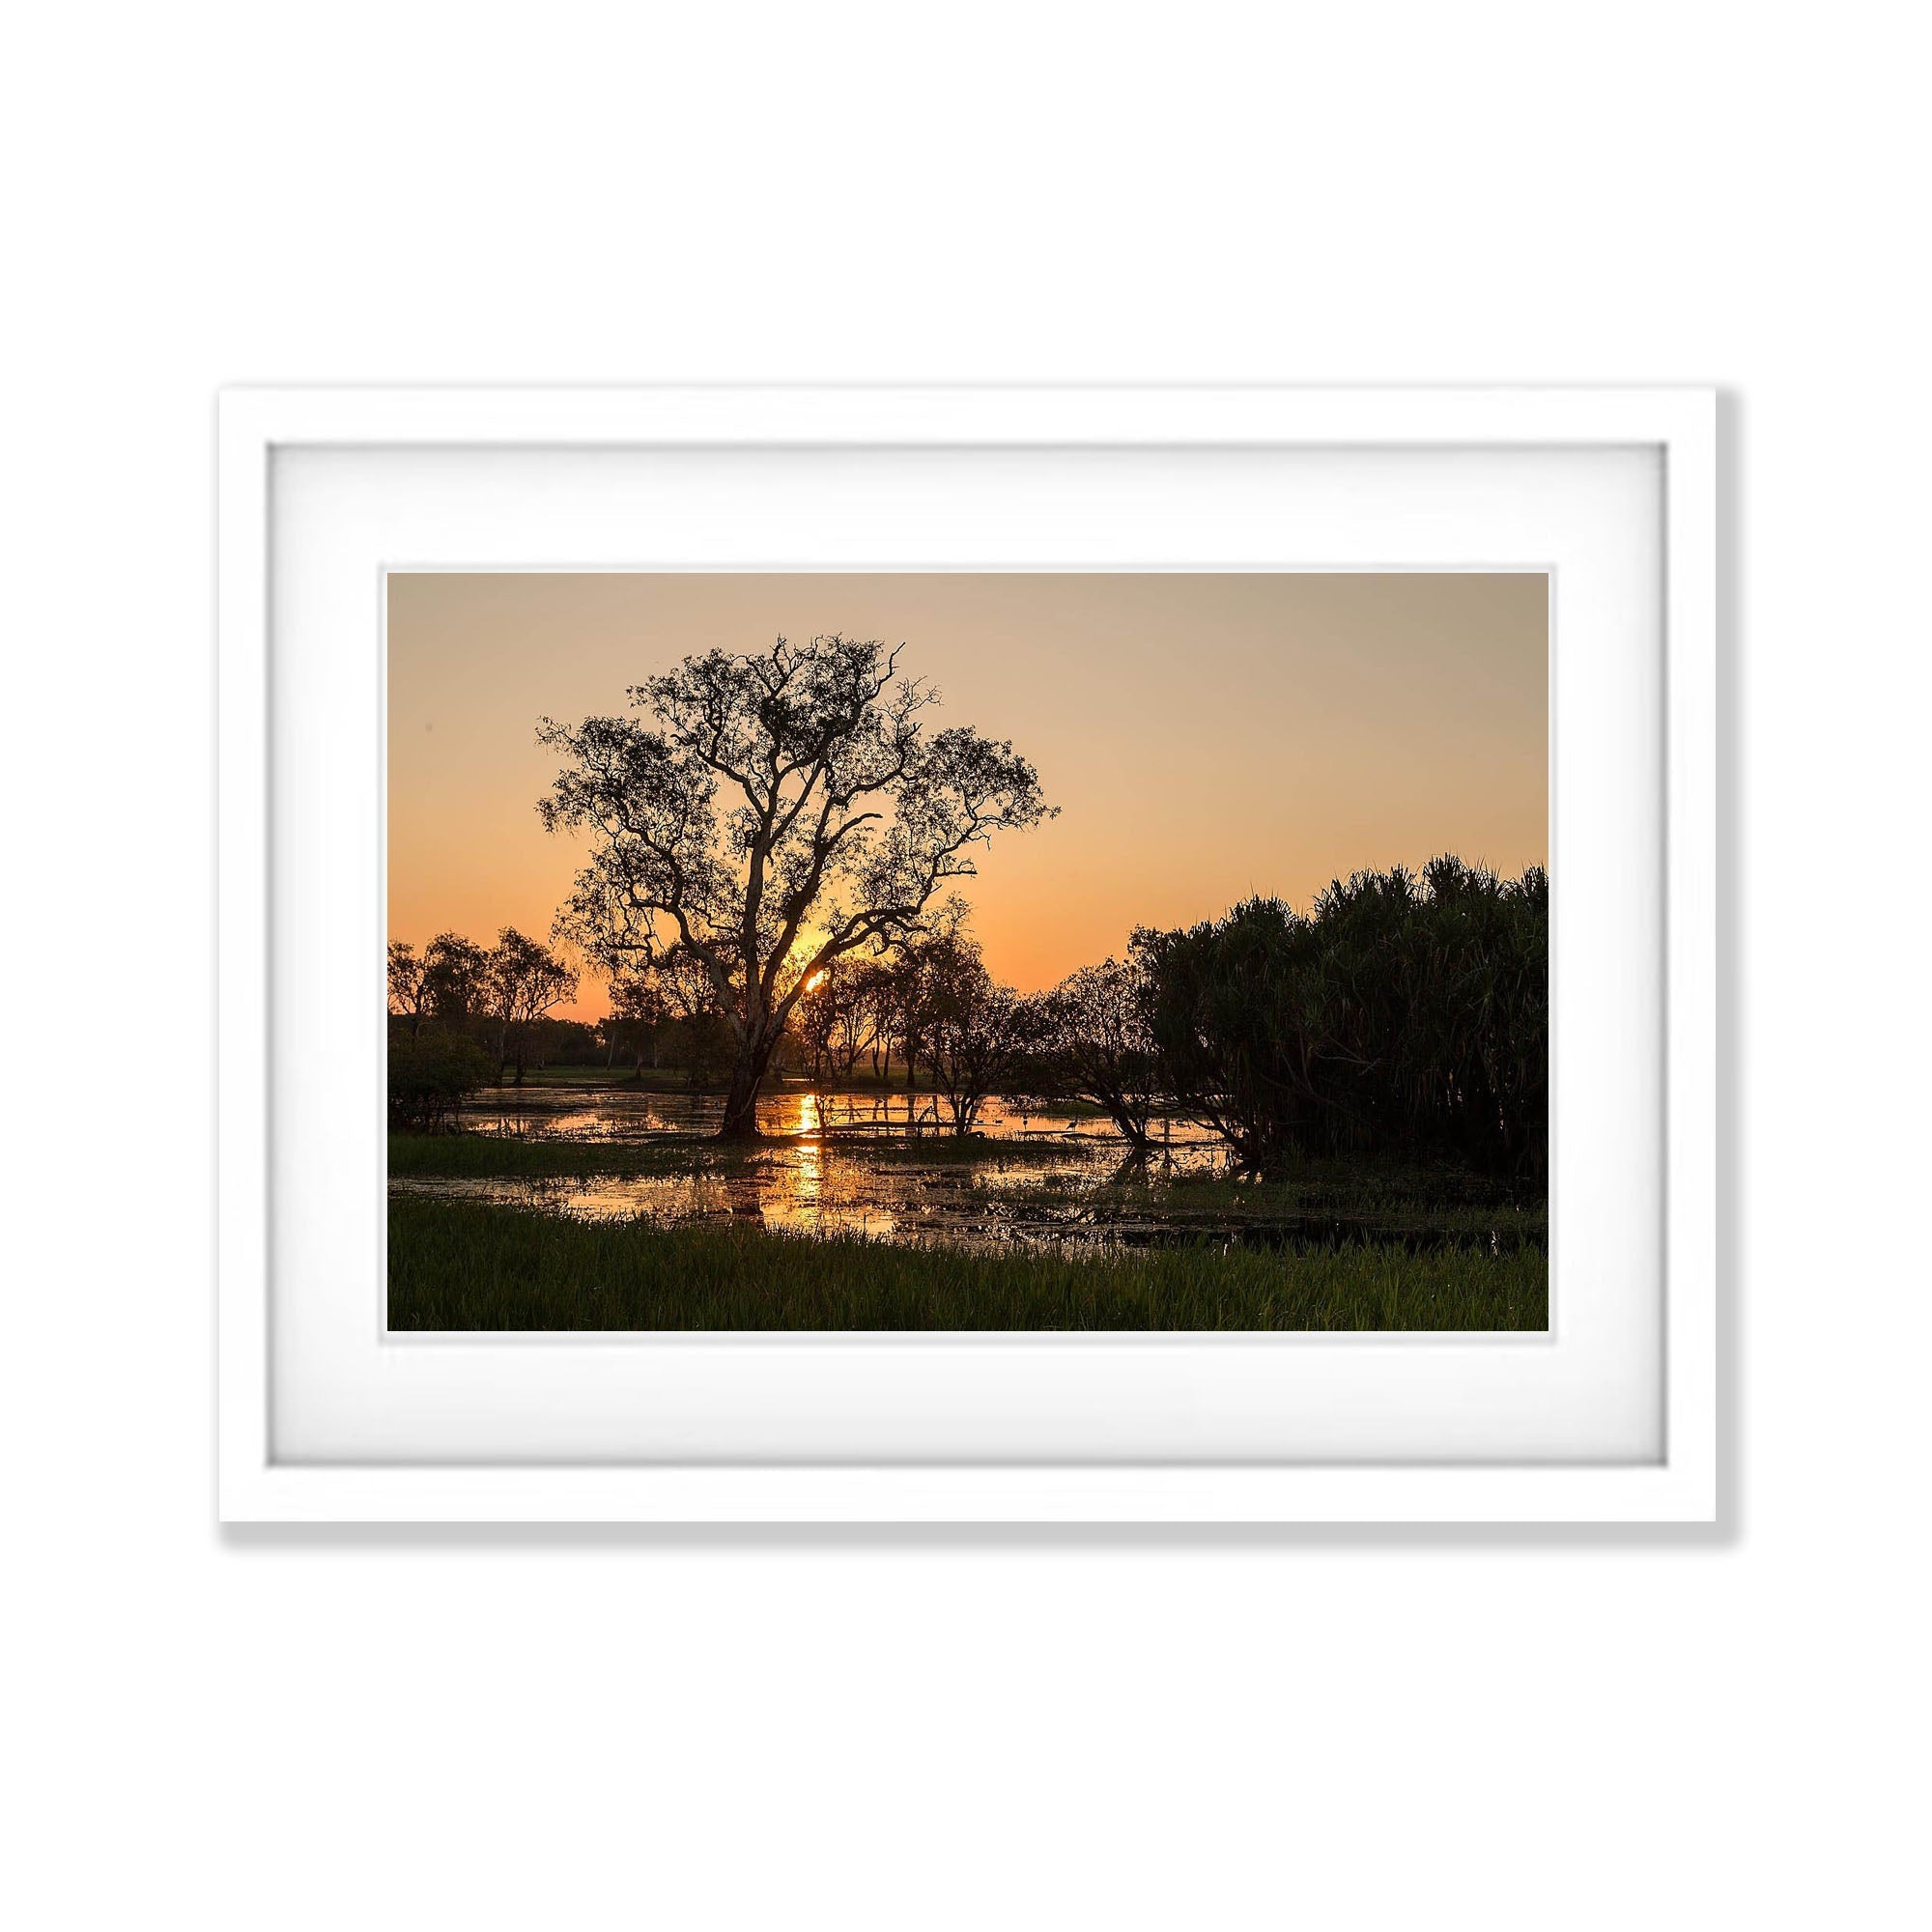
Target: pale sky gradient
{"x":1204,"y":735}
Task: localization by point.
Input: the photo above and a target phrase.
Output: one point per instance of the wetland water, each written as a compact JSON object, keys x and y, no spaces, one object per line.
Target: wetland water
{"x":886,"y":1167}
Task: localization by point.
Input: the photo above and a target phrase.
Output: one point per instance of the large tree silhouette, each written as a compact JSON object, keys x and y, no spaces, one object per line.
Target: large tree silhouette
{"x":784,"y":811}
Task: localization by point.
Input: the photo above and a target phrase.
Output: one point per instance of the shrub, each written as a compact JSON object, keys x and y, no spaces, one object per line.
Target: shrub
{"x":431,"y":1076}
{"x":1399,"y":1013}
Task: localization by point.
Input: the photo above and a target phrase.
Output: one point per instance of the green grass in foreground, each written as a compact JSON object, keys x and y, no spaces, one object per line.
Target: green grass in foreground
{"x":457,"y":1266}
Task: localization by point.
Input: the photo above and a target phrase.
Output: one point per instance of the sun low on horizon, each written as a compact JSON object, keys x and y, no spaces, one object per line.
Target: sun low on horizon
{"x":1205,"y":736}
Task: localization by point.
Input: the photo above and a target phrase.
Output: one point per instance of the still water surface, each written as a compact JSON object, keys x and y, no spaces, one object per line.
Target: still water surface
{"x":1030,"y":1180}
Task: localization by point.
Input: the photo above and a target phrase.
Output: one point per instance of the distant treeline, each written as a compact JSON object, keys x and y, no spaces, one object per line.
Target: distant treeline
{"x":460,"y":1015}
{"x":1401,"y":1014}
{"x":464,"y":1016}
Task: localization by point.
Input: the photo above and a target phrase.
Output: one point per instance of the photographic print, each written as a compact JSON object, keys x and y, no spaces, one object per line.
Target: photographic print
{"x":982,"y":951}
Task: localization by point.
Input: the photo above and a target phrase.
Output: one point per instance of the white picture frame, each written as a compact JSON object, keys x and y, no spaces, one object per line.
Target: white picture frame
{"x":565,"y":1478}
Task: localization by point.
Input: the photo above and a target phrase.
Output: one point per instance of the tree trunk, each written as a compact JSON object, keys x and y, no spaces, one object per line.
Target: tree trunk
{"x":741,"y":1104}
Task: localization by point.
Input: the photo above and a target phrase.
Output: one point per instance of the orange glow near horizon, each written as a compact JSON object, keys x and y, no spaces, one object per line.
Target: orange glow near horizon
{"x":1206,"y":736}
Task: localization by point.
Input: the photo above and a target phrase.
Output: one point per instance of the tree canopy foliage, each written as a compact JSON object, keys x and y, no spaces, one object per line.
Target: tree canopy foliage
{"x":442,"y":986}
{"x":977,"y":1030}
{"x":522,"y":981}
{"x":1095,"y":1030}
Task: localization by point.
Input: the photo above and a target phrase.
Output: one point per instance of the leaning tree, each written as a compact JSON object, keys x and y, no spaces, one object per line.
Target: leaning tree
{"x":783,"y":811}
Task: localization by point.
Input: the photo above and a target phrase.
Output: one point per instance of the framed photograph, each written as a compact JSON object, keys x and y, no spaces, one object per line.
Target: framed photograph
{"x":968,"y":954}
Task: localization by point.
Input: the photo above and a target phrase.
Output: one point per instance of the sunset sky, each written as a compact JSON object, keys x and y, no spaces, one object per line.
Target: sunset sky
{"x":1205,"y":736}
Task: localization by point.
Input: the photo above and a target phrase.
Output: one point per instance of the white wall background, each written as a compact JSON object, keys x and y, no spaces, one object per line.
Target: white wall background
{"x":580,"y":1730}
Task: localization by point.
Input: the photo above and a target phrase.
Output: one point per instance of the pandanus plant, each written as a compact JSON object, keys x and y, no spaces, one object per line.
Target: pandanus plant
{"x":1399,"y":1013}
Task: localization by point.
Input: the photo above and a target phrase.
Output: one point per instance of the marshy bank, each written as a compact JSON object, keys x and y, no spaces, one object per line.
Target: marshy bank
{"x":854,"y":1209}
{"x":459,"y":1266}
